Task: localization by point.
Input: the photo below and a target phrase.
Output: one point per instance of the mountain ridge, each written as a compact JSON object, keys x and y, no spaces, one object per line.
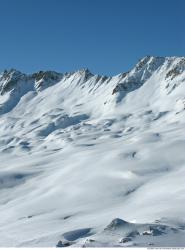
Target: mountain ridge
{"x":14,"y":75}
{"x":89,"y":71}
{"x":19,"y":83}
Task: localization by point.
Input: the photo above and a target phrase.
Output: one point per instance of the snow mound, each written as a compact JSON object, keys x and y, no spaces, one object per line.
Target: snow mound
{"x":126,"y":234}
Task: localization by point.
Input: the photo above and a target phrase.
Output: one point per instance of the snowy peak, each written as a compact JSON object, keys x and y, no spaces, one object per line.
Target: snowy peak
{"x":147,"y":66}
{"x":82,"y":75}
{"x":44,"y":79}
{"x":140,"y":73}
{"x":9,"y":79}
{"x":149,"y":62}
{"x":84,"y":71}
{"x":164,"y":69}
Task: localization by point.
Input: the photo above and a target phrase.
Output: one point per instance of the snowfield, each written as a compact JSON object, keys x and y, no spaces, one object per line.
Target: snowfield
{"x":89,"y":160}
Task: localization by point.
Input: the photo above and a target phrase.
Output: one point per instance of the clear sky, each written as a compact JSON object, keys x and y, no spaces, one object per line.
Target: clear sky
{"x":106,"y":36}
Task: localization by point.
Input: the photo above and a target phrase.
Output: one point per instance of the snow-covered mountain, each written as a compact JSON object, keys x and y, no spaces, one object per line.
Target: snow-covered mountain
{"x":90,"y":160}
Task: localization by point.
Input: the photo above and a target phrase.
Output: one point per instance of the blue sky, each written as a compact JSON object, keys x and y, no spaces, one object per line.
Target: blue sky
{"x":106,"y":36}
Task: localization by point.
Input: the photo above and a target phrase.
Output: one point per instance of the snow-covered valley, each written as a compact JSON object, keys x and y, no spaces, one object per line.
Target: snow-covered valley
{"x":89,"y":160}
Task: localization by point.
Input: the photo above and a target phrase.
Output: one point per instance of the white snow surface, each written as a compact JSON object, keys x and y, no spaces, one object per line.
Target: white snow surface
{"x":79,"y":151}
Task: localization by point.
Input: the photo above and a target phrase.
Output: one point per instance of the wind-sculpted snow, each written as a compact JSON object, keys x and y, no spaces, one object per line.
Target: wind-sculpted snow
{"x":126,"y":234}
{"x":89,"y":160}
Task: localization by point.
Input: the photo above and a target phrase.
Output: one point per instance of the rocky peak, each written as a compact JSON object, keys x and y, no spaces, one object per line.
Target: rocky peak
{"x":142,"y":62}
{"x":46,"y":75}
{"x":139,"y":74}
{"x":44,"y":79}
{"x":10,"y":74}
{"x":84,"y":73}
{"x":149,"y":62}
{"x":9,"y":79}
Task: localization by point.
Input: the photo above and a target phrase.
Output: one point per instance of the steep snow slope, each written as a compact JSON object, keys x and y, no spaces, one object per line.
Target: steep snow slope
{"x":79,"y":150}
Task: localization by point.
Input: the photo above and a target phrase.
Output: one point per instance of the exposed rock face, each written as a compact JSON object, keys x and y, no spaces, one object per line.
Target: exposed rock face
{"x":44,"y":79}
{"x":9,"y":80}
{"x":142,"y":72}
{"x":176,"y":70}
{"x":126,"y":87}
